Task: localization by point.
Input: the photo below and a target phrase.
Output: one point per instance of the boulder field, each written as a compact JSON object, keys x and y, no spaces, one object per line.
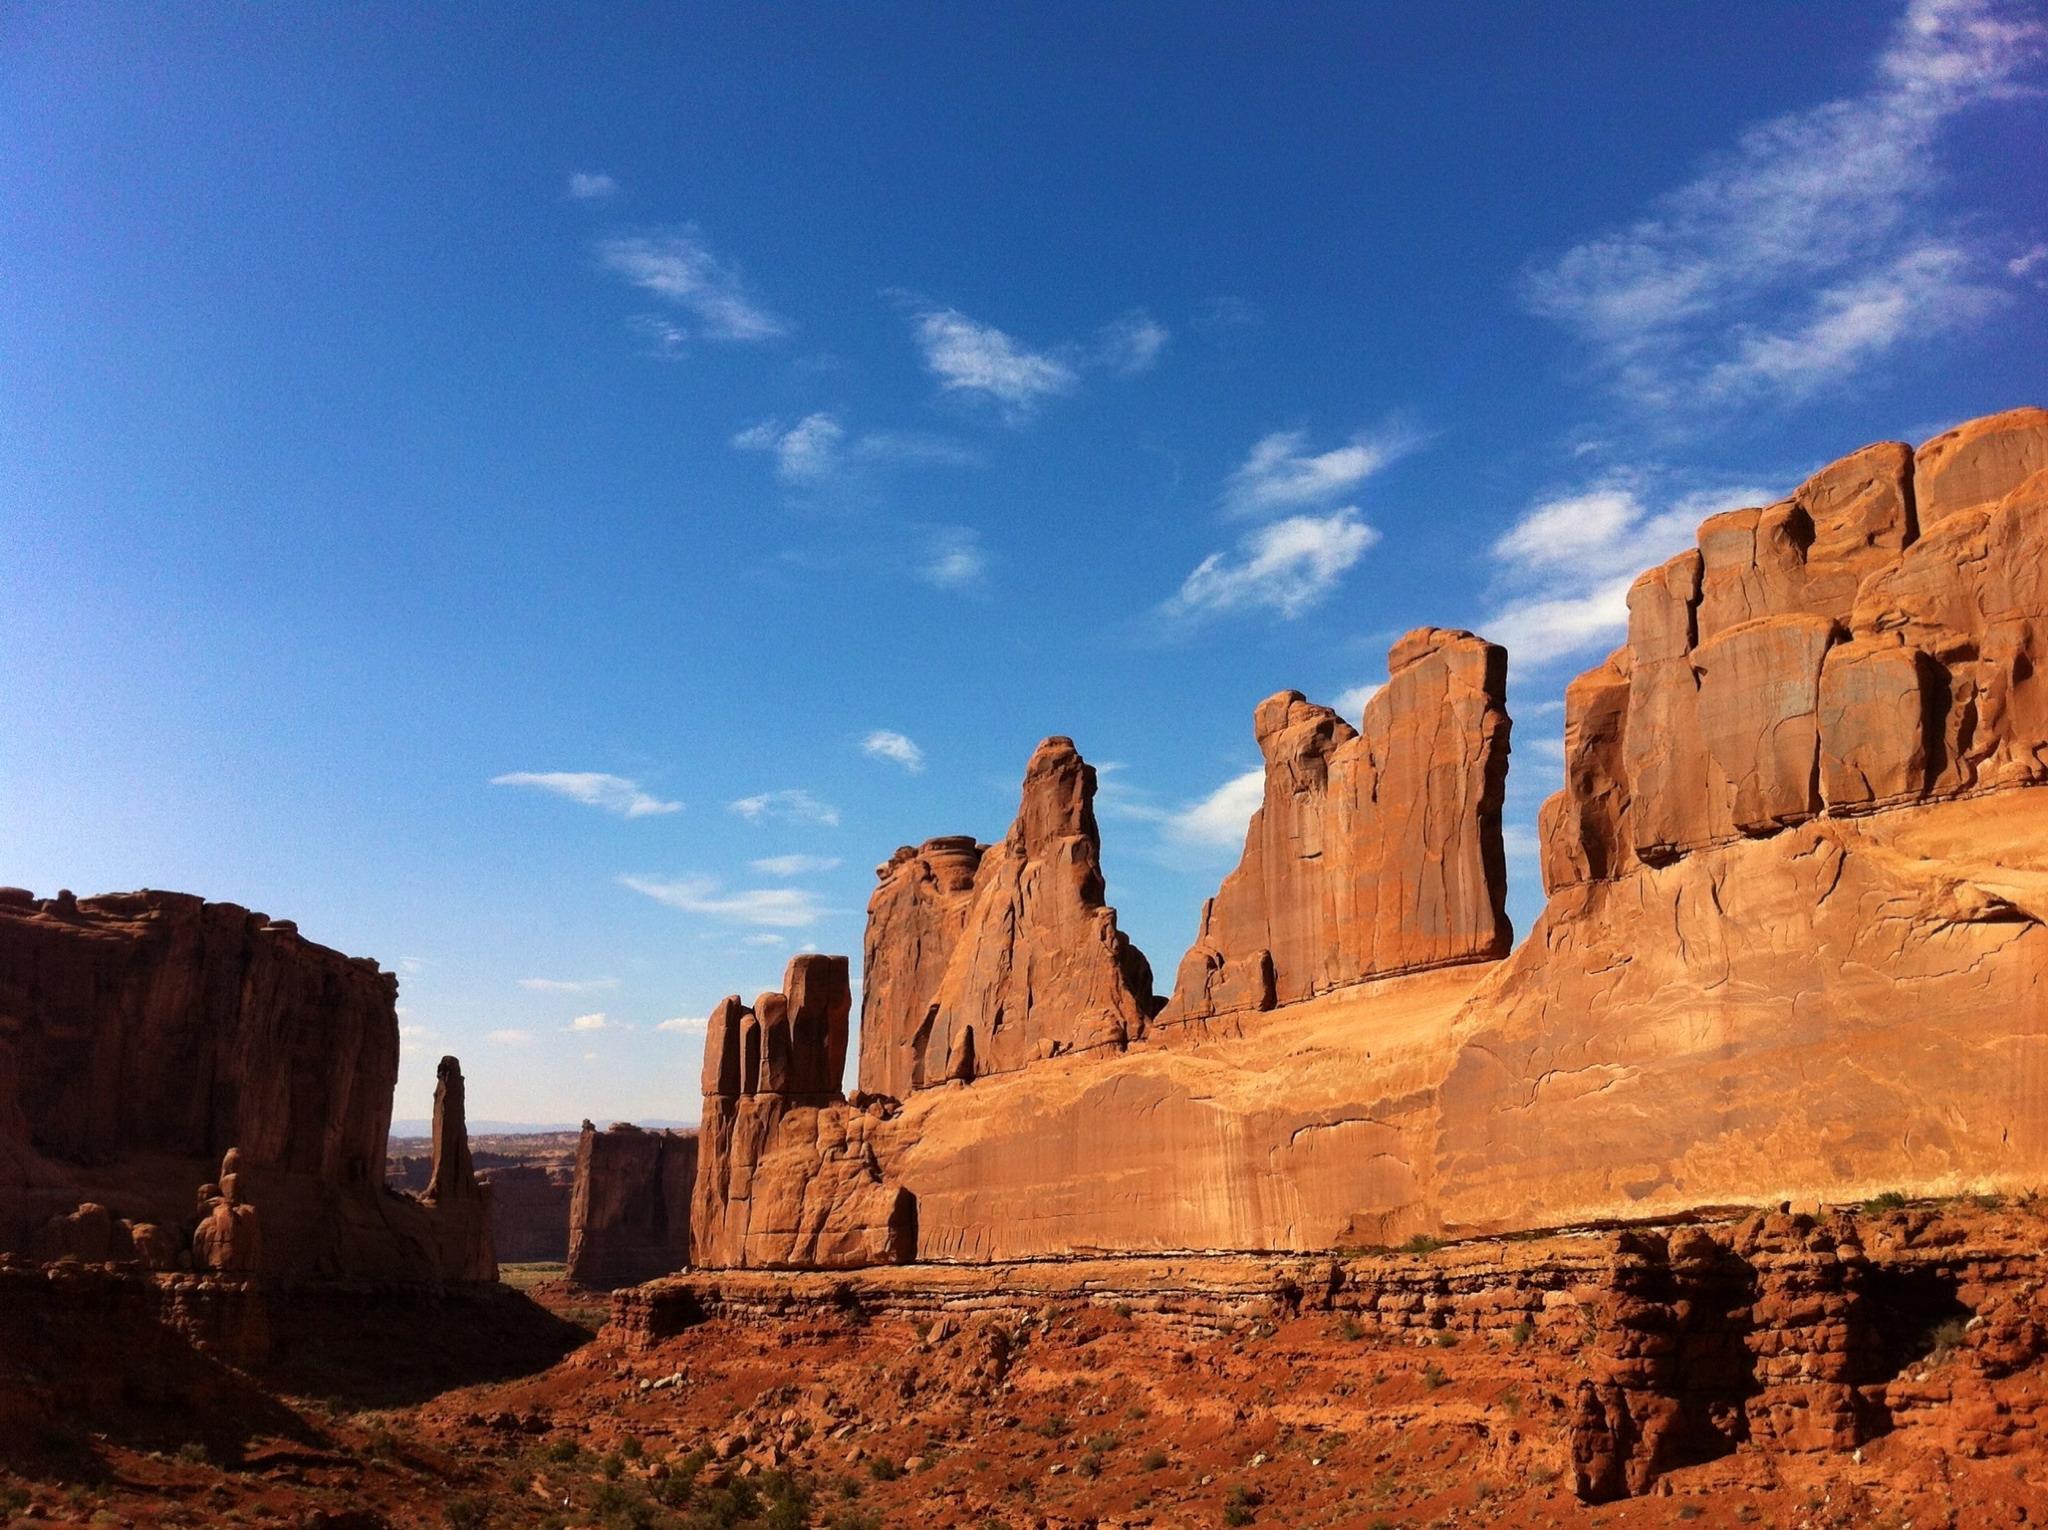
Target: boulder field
{"x":1793,"y":947}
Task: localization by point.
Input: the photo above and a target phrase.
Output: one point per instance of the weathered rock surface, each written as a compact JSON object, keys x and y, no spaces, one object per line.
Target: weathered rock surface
{"x":1796,"y":946}
{"x":530,"y":1212}
{"x":1874,"y":640}
{"x":1374,"y":852}
{"x":157,"y":1039}
{"x":981,"y":959}
{"x":786,"y":1172}
{"x":629,"y":1216}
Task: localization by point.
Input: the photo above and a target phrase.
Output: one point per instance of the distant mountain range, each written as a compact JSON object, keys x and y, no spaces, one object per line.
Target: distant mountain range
{"x":421,"y":1126}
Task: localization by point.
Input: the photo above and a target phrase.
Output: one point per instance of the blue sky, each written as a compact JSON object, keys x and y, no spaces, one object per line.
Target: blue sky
{"x":551,"y":500}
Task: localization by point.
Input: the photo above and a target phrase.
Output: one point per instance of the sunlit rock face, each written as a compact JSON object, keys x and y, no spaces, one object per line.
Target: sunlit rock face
{"x":982,"y":958}
{"x":1793,"y":947}
{"x":1375,"y":850}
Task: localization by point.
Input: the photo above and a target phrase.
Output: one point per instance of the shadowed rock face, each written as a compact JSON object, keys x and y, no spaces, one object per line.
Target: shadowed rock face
{"x":786,"y":1175}
{"x":161,"y":1041}
{"x":1373,"y":852}
{"x":629,"y":1215}
{"x":982,"y":958}
{"x":1874,"y":640}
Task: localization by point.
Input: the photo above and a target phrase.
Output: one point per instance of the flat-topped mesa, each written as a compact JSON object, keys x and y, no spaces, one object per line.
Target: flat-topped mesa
{"x":154,"y":1030}
{"x":785,"y":1174}
{"x":1876,"y":639}
{"x":1375,"y":850}
{"x":629,"y":1214}
{"x":983,"y":958}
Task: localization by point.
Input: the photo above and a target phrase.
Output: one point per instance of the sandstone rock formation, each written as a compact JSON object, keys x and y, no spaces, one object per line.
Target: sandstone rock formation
{"x":1873,"y":640}
{"x":530,"y":1212}
{"x":462,"y":1206}
{"x":158,"y":1038}
{"x":1796,"y":946}
{"x":1373,"y":852}
{"x":629,"y":1217}
{"x":980,"y":959}
{"x":786,"y":1173}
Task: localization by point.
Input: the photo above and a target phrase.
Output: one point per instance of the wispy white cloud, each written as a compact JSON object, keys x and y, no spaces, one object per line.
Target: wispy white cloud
{"x":684,"y":1024}
{"x":2023,"y":264}
{"x":592,"y":788}
{"x":1568,"y":561}
{"x":1286,"y":567}
{"x":971,"y":357}
{"x":1283,"y":473}
{"x":599,"y":1021}
{"x":1218,"y":820}
{"x":680,"y":269}
{"x":888,"y":744}
{"x":806,"y":453}
{"x":795,"y":865}
{"x":512,"y":1038}
{"x":955,"y":559}
{"x":818,"y":449}
{"x":764,"y":940}
{"x":1352,"y":703}
{"x":1806,"y":250}
{"x":569,"y":985}
{"x":775,"y":907}
{"x":791,"y":805}
{"x":415,"y":1038}
{"x":1132,"y":344}
{"x":586,"y":186}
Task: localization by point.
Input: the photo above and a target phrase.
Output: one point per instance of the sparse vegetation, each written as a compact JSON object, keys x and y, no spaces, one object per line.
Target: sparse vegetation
{"x":1422,"y":1243}
{"x":1433,"y":1376}
{"x":467,"y":1511}
{"x":1154,"y":1459}
{"x":1239,"y":1504}
{"x":1056,"y":1427}
{"x":1890,"y":1200}
{"x":1946,"y":1338}
{"x":1521,"y":1333}
{"x":1350,"y":1329}
{"x":882,"y":1469}
{"x":1445,"y":1339}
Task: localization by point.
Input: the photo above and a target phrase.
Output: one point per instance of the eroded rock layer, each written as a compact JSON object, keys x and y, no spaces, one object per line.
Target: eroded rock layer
{"x":629,"y":1217}
{"x":983,"y":958}
{"x":211,"y":1091}
{"x":1874,"y":640}
{"x":787,"y":1174}
{"x":1374,"y":851}
{"x":1796,"y":946}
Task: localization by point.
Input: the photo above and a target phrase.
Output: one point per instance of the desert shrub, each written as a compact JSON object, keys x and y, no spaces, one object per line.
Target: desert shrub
{"x":1422,"y":1243}
{"x":613,"y":1466}
{"x":1445,"y":1339}
{"x":1056,"y":1427}
{"x":1433,"y":1376}
{"x":1891,"y":1200}
{"x":562,"y":1450}
{"x":467,"y":1511}
{"x":1238,"y":1505}
{"x":1348,"y":1327}
{"x":1155,"y":1459}
{"x":1946,"y":1338}
{"x":631,"y":1448}
{"x":882,"y":1469}
{"x":1089,"y":1465}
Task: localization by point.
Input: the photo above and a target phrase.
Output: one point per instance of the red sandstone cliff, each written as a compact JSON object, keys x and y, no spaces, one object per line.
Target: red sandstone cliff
{"x":167,"y":1048}
{"x":982,"y":958}
{"x":786,"y":1173}
{"x":1796,"y":945}
{"x":629,"y":1215}
{"x":1373,"y":852}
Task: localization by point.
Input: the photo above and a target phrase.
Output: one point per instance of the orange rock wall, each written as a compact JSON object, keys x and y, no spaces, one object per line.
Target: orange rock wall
{"x":982,"y":959}
{"x":1373,"y":852}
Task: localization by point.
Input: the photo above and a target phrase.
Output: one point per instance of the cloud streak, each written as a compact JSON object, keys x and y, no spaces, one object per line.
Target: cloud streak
{"x":1286,"y":568}
{"x":790,"y":805}
{"x":1805,"y":251}
{"x":592,"y":788}
{"x":782,"y":908}
{"x":974,"y":358}
{"x":1282,"y":473}
{"x":681,"y":270}
{"x":888,"y":744}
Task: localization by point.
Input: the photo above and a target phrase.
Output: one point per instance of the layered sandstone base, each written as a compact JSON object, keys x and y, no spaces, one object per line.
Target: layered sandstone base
{"x":1848,"y":1007}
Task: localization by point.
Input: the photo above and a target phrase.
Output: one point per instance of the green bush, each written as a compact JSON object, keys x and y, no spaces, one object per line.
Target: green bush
{"x":1433,"y":1377}
{"x":1155,"y":1459}
{"x":1422,"y":1243}
{"x":1891,"y":1200}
